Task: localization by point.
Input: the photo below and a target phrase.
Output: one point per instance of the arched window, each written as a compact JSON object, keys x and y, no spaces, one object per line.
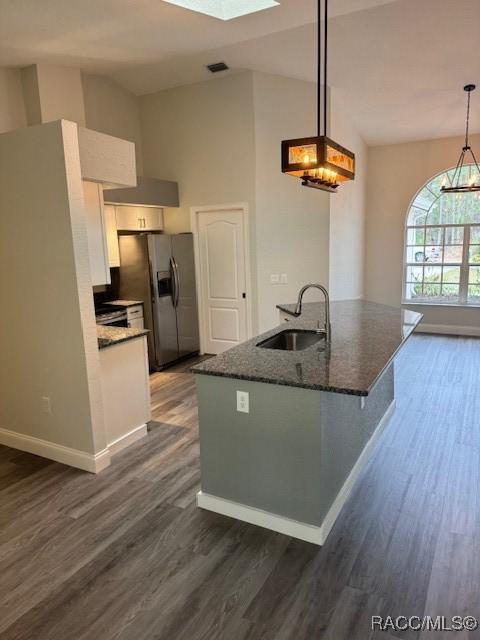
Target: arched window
{"x":442,"y":246}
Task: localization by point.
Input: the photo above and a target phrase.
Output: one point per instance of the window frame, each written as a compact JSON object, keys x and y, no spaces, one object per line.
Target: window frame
{"x":464,"y":265}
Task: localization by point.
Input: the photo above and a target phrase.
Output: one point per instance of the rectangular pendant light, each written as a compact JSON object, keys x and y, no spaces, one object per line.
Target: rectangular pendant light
{"x":225,"y":9}
{"x":319,"y":161}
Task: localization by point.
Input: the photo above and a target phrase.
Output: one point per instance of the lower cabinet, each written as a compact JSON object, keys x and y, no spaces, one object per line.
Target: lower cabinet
{"x":136,"y":323}
{"x":135,"y":316}
{"x":125,"y":392}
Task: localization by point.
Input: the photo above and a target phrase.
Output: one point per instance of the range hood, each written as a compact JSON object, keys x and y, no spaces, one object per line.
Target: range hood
{"x":149,"y":192}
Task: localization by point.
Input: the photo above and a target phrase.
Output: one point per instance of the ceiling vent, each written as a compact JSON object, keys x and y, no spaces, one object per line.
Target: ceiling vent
{"x":217,"y":66}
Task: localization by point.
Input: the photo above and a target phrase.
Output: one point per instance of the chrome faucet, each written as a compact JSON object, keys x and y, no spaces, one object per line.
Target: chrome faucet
{"x":298,"y":308}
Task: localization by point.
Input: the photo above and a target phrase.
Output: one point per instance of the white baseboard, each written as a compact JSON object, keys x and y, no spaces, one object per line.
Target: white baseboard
{"x":127,"y":439}
{"x":72,"y":457}
{"x":448,"y":329}
{"x":261,"y":518}
{"x":293,"y":528}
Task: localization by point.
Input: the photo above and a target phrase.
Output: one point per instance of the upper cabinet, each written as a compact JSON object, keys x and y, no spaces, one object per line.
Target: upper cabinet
{"x":112,"y":236}
{"x":96,"y":233}
{"x":139,"y":218}
{"x":106,"y":159}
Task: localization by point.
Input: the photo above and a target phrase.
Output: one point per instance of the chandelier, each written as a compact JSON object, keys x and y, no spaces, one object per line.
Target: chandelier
{"x":464,"y":180}
{"x":319,"y":161}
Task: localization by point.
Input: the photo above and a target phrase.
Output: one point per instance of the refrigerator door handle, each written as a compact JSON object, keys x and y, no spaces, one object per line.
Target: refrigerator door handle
{"x":174,"y":281}
{"x":177,"y":282}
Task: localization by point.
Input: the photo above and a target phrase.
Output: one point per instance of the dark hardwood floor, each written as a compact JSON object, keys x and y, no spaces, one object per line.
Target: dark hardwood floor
{"x":126,"y":555}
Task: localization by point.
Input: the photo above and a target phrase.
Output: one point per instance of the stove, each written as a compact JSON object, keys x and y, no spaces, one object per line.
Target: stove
{"x":112,"y":315}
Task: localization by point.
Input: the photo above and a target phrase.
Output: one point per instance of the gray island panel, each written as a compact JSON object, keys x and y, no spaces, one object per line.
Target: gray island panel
{"x":315,"y":416}
{"x":291,"y":455}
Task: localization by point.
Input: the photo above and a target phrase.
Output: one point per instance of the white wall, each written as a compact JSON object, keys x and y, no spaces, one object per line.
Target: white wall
{"x":52,"y":93}
{"x":292,"y":221}
{"x":201,"y":136}
{"x":395,"y":174}
{"x":111,"y":109}
{"x":347,"y":211}
{"x":47,"y":336}
{"x":12,"y":109}
{"x":221,"y":141}
{"x":42,"y":93}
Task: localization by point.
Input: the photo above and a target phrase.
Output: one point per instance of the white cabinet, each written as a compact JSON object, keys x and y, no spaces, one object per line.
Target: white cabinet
{"x":136,"y":323}
{"x":139,"y":218}
{"x":106,"y":159}
{"x":153,"y":219}
{"x":125,"y":392}
{"x":112,"y":236}
{"x":127,"y":219}
{"x":96,"y":233}
{"x":135,"y":316}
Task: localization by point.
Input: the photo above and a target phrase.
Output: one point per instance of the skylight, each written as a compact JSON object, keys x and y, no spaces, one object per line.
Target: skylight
{"x":225,"y":9}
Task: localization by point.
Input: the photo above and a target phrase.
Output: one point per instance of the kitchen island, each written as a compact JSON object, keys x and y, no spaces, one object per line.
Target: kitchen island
{"x":288,"y":459}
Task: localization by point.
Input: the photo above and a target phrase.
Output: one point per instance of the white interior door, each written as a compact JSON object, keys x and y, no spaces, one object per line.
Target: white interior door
{"x":221,"y":242}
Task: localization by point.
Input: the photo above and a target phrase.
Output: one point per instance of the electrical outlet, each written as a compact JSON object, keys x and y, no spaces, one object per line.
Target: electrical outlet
{"x":46,"y":405}
{"x":243,"y":402}
{"x":283,"y":278}
{"x":274,"y":278}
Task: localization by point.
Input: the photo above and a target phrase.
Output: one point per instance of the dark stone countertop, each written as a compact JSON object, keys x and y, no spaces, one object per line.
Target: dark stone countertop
{"x":365,"y":338}
{"x":125,"y":303}
{"x":110,"y":336}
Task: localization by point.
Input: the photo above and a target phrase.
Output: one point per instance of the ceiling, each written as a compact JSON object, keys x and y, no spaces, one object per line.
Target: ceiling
{"x":400,"y":65}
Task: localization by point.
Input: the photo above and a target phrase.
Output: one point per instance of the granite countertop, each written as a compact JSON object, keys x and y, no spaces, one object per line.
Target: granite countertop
{"x":109,"y":336}
{"x":365,"y":338}
{"x":125,"y":303}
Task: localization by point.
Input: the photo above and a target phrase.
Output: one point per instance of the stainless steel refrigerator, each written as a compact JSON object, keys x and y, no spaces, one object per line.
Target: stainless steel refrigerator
{"x":159,"y":269}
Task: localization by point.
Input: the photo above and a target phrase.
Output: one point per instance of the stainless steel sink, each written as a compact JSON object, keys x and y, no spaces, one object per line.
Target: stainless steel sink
{"x":292,"y":340}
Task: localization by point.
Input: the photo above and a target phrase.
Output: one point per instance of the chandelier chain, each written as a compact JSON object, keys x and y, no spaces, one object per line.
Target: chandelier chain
{"x":468,"y":121}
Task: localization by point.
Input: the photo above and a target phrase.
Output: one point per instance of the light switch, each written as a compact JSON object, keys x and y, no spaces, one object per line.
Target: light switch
{"x":274,"y":278}
{"x":46,"y":405}
{"x":283,"y":278}
{"x":243,"y":402}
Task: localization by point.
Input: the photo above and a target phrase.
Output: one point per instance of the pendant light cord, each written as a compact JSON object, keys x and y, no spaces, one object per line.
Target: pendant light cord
{"x":325,"y":51}
{"x":319,"y":66}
